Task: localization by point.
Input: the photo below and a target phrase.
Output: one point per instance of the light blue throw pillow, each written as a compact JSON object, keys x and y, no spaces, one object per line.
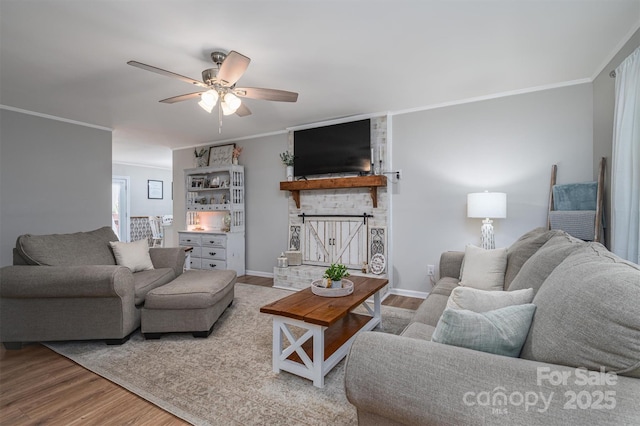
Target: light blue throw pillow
{"x":501,"y":331}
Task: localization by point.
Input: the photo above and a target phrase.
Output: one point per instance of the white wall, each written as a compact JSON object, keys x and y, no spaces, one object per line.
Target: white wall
{"x":55,"y":177}
{"x":507,"y":145}
{"x":140,"y":204}
{"x":266,"y":206}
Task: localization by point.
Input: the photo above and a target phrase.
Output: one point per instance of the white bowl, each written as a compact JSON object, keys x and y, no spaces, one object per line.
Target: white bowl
{"x":318,"y":289}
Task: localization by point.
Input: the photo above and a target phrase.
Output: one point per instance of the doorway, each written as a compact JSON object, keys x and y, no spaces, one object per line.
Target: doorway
{"x":120,"y":212}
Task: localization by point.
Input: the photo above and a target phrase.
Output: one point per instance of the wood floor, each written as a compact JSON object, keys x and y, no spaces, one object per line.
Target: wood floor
{"x":38,"y":387}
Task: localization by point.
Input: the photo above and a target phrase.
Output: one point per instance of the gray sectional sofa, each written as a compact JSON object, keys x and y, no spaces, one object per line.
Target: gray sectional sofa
{"x":580,"y":362}
{"x":69,"y":287}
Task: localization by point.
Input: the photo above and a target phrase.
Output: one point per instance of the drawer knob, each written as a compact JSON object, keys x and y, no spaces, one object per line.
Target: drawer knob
{"x":212,"y":253}
{"x":213,"y":265}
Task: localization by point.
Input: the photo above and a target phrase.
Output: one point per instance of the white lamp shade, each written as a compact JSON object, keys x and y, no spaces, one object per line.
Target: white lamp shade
{"x":487,"y":205}
{"x":226,"y":110}
{"x":232,"y":101}
{"x":208,"y":100}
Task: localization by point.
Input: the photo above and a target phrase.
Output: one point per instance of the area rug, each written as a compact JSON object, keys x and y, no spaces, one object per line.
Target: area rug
{"x":227,"y":378}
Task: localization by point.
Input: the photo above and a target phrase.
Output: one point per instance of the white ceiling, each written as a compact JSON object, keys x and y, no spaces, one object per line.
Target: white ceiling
{"x":68,"y":59}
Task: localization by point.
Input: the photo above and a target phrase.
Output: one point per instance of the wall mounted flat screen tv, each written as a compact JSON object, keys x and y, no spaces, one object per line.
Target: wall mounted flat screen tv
{"x":339,"y":148}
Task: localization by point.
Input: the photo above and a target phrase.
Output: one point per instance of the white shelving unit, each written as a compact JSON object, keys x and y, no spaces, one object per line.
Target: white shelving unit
{"x":215,"y":217}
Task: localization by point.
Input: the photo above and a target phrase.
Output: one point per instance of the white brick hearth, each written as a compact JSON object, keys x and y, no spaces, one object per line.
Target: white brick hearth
{"x":300,"y":277}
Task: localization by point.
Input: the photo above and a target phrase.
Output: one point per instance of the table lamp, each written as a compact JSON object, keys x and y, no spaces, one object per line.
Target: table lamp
{"x":487,"y":205}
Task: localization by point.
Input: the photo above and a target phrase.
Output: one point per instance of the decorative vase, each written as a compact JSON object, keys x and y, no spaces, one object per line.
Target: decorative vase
{"x":234,"y":161}
{"x":289,"y":173}
{"x":336,"y":284}
{"x":227,"y":222}
{"x":202,"y":161}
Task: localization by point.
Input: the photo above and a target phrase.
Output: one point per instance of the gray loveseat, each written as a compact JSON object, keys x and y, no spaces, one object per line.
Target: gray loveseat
{"x":587,"y":315}
{"x":69,"y":287}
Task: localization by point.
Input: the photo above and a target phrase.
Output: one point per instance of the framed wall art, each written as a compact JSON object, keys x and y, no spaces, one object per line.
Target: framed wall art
{"x":154,"y":189}
{"x":221,"y":155}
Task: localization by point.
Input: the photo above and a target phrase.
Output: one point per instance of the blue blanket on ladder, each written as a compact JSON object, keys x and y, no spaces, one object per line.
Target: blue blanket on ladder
{"x":575,"y":196}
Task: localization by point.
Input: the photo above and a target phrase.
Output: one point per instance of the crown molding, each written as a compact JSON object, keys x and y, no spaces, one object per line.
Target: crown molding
{"x":53,"y":117}
{"x":493,"y":96}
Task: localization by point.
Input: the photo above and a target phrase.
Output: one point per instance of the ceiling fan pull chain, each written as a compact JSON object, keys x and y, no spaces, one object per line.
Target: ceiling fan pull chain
{"x":219,"y":118}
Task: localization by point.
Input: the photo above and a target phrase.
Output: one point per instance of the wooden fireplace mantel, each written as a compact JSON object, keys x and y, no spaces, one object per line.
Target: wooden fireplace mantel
{"x":371,"y":182}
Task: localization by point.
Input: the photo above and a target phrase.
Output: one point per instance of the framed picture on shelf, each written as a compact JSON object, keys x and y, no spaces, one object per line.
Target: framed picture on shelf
{"x":154,"y":189}
{"x":221,"y":155}
{"x":197,"y":182}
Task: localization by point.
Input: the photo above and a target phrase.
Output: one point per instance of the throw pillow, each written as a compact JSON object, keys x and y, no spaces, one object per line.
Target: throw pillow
{"x":588,"y":314}
{"x":536,"y":270}
{"x":484,"y":269}
{"x":521,"y":250}
{"x":501,"y":331}
{"x":79,"y":248}
{"x":473,"y":299}
{"x":134,"y":256}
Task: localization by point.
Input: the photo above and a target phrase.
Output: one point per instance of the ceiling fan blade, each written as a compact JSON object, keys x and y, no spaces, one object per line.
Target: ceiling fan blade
{"x":181,"y":98}
{"x":232,"y":68}
{"x":243,"y":111}
{"x":166,"y":73}
{"x":266,"y":94}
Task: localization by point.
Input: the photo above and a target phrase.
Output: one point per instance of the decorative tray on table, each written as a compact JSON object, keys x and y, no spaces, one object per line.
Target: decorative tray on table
{"x":320,"y":290}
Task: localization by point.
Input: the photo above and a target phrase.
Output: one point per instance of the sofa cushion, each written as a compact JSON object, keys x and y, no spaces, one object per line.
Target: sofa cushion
{"x":430,"y":310}
{"x":445,"y":286}
{"x":134,"y":256}
{"x":544,"y":261}
{"x":418,"y":330}
{"x":80,"y":248}
{"x":520,"y":251}
{"x":501,"y":331}
{"x":476,"y":300}
{"x":145,"y":281}
{"x":484,"y":269}
{"x":588,"y":314}
{"x":192,"y":290}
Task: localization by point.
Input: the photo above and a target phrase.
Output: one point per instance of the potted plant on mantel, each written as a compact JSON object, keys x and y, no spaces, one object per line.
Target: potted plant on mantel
{"x":287,"y":160}
{"x":334,"y":275}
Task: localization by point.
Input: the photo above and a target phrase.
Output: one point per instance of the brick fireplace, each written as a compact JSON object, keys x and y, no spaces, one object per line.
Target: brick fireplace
{"x":337,"y":225}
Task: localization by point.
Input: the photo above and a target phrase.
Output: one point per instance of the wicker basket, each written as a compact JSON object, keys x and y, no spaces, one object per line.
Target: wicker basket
{"x":318,"y":289}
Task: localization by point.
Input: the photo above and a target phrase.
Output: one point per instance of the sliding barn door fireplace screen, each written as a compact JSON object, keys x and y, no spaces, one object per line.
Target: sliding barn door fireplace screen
{"x":347,"y":239}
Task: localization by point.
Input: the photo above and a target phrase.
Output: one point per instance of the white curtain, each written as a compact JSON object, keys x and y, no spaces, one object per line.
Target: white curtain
{"x":625,"y":170}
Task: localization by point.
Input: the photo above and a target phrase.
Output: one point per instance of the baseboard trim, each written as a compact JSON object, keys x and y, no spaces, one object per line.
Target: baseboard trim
{"x":259,"y":274}
{"x":286,"y":288}
{"x":396,"y":291}
{"x":409,"y":293}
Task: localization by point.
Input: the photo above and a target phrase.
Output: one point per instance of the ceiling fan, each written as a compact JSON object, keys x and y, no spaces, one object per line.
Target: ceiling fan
{"x":219,"y":83}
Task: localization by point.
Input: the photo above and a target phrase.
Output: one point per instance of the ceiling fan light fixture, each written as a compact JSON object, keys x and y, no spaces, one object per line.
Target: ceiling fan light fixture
{"x":219,"y":85}
{"x":226,"y":109}
{"x":205,"y":107}
{"x":232,"y":101}
{"x":208,"y":100}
